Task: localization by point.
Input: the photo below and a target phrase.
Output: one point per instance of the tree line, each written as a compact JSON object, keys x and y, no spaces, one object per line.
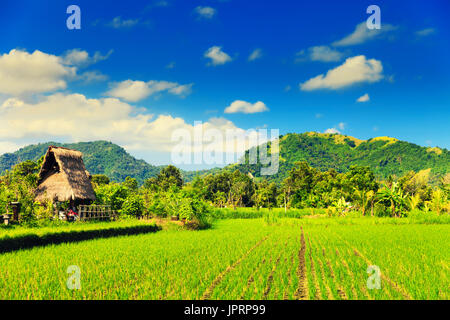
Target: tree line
{"x":168,"y":195}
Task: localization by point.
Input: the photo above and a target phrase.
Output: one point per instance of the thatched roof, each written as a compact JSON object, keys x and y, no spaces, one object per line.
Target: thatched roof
{"x":63,"y":176}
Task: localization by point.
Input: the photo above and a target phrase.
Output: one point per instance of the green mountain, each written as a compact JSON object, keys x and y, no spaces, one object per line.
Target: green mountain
{"x":100,"y":157}
{"x":384,"y":155}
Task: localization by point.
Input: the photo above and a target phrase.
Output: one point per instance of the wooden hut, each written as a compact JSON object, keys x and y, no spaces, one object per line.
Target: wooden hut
{"x":63,"y":177}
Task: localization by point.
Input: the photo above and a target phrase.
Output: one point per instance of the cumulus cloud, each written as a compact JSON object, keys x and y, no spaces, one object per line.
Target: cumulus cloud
{"x":92,"y":76}
{"x":363,"y":98}
{"x":256,"y":54}
{"x":22,"y":72}
{"x":319,"y":53}
{"x":363,"y":34}
{"x":354,"y":70}
{"x":205,"y":12}
{"x":81,"y":58}
{"x":217,"y":56}
{"x":73,"y":117}
{"x":135,"y":90}
{"x":240,"y":106}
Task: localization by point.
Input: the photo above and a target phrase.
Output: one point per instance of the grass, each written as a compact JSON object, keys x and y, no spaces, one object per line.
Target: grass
{"x":15,"y":238}
{"x":239,"y":259}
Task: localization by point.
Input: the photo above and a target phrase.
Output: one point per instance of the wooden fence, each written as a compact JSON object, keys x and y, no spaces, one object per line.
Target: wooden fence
{"x":96,"y":212}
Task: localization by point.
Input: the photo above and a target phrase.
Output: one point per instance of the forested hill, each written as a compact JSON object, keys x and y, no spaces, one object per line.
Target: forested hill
{"x":384,"y":155}
{"x":100,"y":157}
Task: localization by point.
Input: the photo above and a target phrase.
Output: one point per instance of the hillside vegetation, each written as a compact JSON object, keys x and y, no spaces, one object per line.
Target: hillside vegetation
{"x":384,"y":155}
{"x":100,"y":157}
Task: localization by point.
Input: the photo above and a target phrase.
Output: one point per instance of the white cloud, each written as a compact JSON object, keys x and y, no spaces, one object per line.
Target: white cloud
{"x":240,"y":106}
{"x":118,"y":23}
{"x":319,"y":53}
{"x":256,"y":54}
{"x":332,"y":130}
{"x":425,"y":32}
{"x":341,"y":125}
{"x":354,"y":70}
{"x":73,"y":117}
{"x":217,"y":56}
{"x":22,"y":72}
{"x":81,"y":58}
{"x":363,"y":98}
{"x":92,"y":76}
{"x":205,"y":12}
{"x":363,"y":34}
{"x":8,"y":147}
{"x":135,"y":90}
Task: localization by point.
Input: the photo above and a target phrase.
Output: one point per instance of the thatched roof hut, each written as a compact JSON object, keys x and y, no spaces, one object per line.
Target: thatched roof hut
{"x":64,"y":177}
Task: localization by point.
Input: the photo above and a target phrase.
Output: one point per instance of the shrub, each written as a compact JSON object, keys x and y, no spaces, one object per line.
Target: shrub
{"x":133,"y":206}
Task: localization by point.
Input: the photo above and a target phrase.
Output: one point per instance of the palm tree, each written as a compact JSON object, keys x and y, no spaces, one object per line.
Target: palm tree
{"x":395,"y":196}
{"x":363,"y":198}
{"x":414,"y":201}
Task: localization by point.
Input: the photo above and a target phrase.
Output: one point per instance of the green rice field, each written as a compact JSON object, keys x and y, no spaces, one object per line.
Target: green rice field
{"x":308,"y":258}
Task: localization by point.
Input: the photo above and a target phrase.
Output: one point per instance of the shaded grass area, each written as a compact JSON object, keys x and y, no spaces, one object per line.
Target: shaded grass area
{"x":29,"y":238}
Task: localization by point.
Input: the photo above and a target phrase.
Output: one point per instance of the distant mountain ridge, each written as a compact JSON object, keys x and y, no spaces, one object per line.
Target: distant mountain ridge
{"x":100,"y":157}
{"x":384,"y":155}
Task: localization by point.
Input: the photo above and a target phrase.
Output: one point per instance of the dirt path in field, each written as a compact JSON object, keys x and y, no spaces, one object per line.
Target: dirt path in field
{"x":302,"y":291}
{"x":207,"y":294}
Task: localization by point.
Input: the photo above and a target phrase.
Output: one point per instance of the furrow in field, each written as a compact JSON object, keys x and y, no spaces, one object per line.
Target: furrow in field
{"x":349,"y":272}
{"x":323,"y":277}
{"x":302,"y":290}
{"x":251,"y":279}
{"x":286,"y":291}
{"x":314,"y":275}
{"x":340,"y":289}
{"x":270,"y":278}
{"x":393,"y":284}
{"x":207,"y":294}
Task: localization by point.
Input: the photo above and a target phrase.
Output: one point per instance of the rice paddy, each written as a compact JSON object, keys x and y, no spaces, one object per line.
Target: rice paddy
{"x":242,"y":259}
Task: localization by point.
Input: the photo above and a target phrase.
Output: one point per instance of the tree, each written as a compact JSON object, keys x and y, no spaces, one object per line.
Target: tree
{"x":362,"y":181}
{"x":169,"y":176}
{"x":394,"y":196}
{"x":131,"y":183}
{"x":133,"y":205}
{"x":100,"y":179}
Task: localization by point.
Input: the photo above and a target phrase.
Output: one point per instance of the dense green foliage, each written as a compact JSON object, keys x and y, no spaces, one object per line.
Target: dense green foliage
{"x":167,"y":195}
{"x":385,"y":156}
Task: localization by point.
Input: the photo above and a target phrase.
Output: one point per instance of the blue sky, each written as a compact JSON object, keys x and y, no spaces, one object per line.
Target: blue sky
{"x":147,"y":70}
